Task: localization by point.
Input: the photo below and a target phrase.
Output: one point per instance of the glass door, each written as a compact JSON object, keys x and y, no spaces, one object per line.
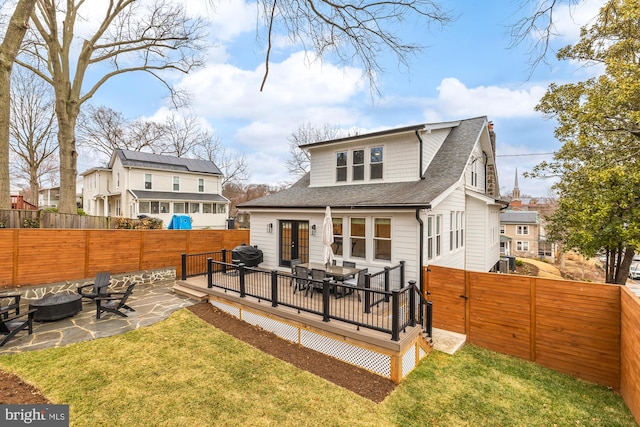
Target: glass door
{"x":294,"y":241}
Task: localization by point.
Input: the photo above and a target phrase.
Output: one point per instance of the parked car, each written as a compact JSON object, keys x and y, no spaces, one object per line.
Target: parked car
{"x":634,"y":271}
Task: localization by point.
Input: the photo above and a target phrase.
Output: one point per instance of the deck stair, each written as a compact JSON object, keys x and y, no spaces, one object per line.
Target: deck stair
{"x":189,"y":292}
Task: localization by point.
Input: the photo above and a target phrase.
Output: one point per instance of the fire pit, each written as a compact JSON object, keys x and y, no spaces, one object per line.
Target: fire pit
{"x":56,"y":306}
{"x":250,"y":256}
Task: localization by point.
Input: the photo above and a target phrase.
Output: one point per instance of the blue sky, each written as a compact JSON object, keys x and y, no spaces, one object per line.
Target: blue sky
{"x":467,"y":70}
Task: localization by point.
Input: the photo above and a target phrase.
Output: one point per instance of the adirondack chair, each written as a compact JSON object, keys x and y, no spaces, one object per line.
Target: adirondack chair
{"x":11,"y":325}
{"x":15,"y":305}
{"x":114,"y":303}
{"x":98,"y":287}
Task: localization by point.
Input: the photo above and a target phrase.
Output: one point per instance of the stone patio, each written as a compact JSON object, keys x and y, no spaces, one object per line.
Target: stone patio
{"x":152,"y":302}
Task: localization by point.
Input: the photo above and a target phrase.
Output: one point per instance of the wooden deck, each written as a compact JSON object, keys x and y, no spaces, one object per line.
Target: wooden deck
{"x":337,"y":338}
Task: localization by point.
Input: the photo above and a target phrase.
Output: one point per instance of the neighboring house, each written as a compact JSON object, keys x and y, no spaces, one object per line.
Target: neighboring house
{"x":137,"y":183}
{"x":50,"y":197}
{"x":423,"y":194}
{"x":522,"y":228}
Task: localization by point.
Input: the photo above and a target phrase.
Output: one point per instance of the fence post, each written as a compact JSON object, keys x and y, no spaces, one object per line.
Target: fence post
{"x":326,"y":287}
{"x":274,"y":288}
{"x":184,"y":266}
{"x":412,"y":302}
{"x":209,"y":272}
{"x":430,"y":319}
{"x":395,"y":316}
{"x":243,"y":291}
{"x":367,"y":293}
{"x":224,"y":255}
{"x":402,"y":276}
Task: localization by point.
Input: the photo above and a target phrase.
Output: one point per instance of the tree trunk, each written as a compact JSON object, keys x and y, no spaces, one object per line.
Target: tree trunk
{"x":8,"y":50}
{"x":623,"y":271}
{"x":67,"y":117}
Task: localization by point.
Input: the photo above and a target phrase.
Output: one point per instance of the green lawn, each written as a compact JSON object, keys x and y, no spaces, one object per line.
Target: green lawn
{"x":184,"y":372}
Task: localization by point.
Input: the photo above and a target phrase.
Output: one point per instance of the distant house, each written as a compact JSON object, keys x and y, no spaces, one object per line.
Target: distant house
{"x":424,"y":194}
{"x":522,"y":230}
{"x":136,"y":183}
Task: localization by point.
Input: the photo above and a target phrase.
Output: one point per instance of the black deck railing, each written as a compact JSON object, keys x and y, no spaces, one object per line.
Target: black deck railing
{"x":196,"y":264}
{"x":398,"y":304}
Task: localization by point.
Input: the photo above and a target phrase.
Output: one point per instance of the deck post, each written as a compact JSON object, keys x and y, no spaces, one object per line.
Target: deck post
{"x":209,"y":272}
{"x":274,"y":288}
{"x":224,"y":255}
{"x":184,"y":267}
{"x":367,"y":295}
{"x":326,"y":288}
{"x":412,"y":302}
{"x":402,"y":276}
{"x":387,"y":282}
{"x":243,"y":290}
{"x":395,"y":315}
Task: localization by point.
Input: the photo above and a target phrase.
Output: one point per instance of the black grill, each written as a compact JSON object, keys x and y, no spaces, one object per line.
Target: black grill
{"x":250,"y":256}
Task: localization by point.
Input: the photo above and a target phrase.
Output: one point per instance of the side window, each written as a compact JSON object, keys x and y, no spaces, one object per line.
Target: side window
{"x":376,"y":163}
{"x":358,"y":238}
{"x":358,"y":165}
{"x":341,"y":166}
{"x":382,"y":238}
{"x":176,"y":183}
{"x":429,"y":237}
{"x":337,"y":236}
{"x":200,"y":185}
{"x":147,"y":181}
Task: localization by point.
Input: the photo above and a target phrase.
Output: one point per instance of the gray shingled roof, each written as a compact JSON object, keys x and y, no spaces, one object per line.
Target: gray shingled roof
{"x":157,"y":161}
{"x":444,"y":171}
{"x":519,"y":217}
{"x":169,"y":195}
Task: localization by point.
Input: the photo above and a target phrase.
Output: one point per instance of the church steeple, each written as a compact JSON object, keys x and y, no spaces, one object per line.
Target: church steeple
{"x":516,"y":189}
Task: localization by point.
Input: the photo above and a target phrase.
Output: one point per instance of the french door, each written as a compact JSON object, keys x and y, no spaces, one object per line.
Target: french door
{"x":294,"y":241}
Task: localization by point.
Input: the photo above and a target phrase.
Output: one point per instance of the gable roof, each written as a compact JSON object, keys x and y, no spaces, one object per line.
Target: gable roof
{"x":519,"y":217}
{"x":139,"y":159}
{"x":444,"y":171}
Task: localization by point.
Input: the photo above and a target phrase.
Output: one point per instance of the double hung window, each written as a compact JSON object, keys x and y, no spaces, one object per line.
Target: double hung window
{"x":358,"y":165}
{"x":341,"y":166}
{"x":375,"y":163}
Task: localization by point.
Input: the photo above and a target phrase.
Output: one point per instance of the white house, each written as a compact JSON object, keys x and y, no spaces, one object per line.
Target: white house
{"x":137,"y":183}
{"x":424,"y":194}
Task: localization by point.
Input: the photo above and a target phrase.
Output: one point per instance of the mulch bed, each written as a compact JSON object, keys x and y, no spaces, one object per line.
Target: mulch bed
{"x":358,"y":380}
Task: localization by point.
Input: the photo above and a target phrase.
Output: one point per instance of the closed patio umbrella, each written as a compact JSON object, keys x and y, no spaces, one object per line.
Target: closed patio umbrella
{"x":327,"y":237}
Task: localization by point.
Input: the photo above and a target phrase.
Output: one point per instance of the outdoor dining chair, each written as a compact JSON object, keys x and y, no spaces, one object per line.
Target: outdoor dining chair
{"x":301,"y":278}
{"x":358,"y":281}
{"x":294,"y":262}
{"x":316,"y":282}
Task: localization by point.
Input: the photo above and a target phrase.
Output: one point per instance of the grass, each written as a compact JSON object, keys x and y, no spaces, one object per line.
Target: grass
{"x":183,"y":372}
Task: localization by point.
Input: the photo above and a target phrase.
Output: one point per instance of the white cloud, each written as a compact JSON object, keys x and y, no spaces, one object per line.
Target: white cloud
{"x":569,"y":18}
{"x":455,"y":100}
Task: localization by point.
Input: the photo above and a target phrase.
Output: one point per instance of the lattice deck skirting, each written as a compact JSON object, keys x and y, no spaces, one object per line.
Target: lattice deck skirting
{"x":394,"y":364}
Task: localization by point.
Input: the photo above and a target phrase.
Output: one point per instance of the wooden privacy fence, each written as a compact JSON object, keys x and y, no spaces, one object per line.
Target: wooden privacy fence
{"x":15,"y":218}
{"x":39,"y":256}
{"x":588,"y":330}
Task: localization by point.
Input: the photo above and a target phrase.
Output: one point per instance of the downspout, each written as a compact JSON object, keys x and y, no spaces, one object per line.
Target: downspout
{"x":420,"y":173}
{"x":421,"y":257}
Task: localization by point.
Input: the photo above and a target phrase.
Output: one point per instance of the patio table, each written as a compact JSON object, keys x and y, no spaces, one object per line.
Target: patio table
{"x":339,"y":273}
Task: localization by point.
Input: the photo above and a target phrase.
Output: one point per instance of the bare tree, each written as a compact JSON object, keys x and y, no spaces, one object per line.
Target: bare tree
{"x":352,"y":32}
{"x":103,"y":129}
{"x":14,"y":34}
{"x":234,"y":167}
{"x":182,"y":134}
{"x":32,"y":127}
{"x":151,"y":37}
{"x":308,"y":133}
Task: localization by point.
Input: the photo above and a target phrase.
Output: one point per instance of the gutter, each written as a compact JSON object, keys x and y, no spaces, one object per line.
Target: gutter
{"x":420,"y":173}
